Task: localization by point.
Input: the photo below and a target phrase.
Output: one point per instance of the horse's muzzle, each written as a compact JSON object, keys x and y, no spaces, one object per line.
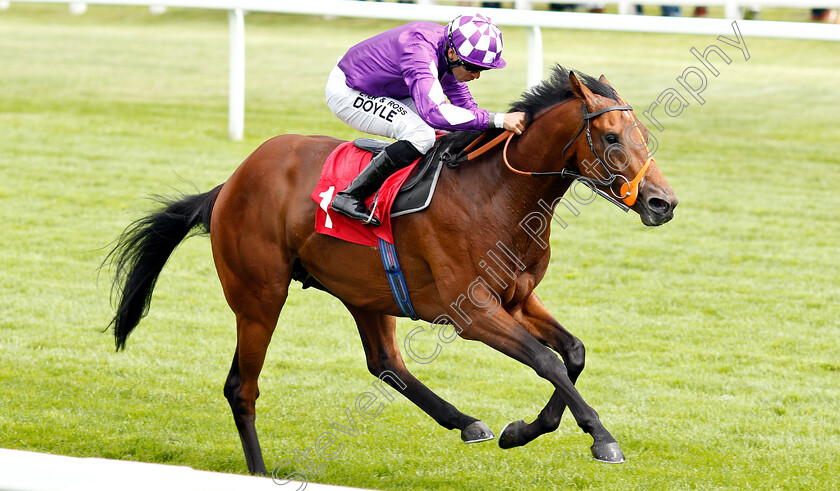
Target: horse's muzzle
{"x":656,"y":206}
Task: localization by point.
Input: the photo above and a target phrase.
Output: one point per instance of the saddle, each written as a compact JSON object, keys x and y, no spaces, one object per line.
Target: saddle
{"x":414,"y":194}
{"x":417,"y":191}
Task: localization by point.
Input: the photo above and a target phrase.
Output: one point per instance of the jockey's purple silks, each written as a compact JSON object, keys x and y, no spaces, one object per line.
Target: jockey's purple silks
{"x":409,"y":61}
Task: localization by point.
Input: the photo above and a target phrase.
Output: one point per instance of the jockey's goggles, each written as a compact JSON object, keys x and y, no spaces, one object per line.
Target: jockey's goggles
{"x":467,"y":66}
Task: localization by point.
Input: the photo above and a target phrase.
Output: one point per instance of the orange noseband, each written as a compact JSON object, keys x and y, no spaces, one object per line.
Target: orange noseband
{"x":630,"y":190}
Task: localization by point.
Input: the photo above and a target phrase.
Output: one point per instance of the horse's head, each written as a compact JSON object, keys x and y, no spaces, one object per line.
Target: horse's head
{"x":614,"y":156}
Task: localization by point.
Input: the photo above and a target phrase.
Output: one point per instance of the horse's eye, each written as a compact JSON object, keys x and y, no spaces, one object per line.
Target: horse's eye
{"x":611,"y":138}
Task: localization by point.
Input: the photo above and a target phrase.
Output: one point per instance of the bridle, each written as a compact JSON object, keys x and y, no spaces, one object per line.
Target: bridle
{"x":629,"y":188}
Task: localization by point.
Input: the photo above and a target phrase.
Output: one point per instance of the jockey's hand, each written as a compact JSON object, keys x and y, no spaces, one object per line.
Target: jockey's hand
{"x":515,"y":122}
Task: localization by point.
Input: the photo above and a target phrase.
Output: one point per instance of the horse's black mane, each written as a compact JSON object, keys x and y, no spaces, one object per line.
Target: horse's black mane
{"x":549,"y":92}
{"x":556,"y":89}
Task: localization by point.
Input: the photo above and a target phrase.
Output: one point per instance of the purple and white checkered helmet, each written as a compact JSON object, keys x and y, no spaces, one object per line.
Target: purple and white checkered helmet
{"x":477,"y":40}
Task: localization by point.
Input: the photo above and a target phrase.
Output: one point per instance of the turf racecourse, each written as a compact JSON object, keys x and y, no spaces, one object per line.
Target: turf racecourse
{"x":712,"y":342}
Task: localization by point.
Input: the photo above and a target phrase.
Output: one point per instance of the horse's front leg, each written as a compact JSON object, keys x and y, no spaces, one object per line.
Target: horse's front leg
{"x":513,"y":337}
{"x":536,"y":319}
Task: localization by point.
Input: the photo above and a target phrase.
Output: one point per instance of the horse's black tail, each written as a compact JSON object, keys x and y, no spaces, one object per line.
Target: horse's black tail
{"x":143,"y":249}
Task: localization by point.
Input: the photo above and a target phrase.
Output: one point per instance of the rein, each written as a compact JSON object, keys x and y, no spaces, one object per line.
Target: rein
{"x":629,"y":189}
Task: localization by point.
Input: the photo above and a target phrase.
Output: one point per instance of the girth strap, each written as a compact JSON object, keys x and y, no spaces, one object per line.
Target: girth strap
{"x":396,"y":279}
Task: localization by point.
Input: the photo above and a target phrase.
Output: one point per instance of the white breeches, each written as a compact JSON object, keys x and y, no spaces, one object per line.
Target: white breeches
{"x":383,"y":116}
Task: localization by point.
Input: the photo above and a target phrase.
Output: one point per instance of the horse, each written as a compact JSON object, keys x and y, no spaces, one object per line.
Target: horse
{"x":261,"y":228}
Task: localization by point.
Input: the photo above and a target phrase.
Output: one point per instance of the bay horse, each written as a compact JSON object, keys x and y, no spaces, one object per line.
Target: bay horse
{"x":261,"y":227}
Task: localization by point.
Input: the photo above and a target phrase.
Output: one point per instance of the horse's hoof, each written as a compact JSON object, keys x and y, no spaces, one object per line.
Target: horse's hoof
{"x":607,"y":452}
{"x":476,"y":432}
{"x":510,"y":434}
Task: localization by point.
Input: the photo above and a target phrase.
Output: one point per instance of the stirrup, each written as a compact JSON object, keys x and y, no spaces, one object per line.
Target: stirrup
{"x":356,"y":210}
{"x":372,"y":218}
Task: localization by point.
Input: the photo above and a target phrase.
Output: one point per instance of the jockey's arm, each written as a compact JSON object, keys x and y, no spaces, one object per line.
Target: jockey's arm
{"x":460,"y":112}
{"x":419,"y":71}
{"x":514,"y":121}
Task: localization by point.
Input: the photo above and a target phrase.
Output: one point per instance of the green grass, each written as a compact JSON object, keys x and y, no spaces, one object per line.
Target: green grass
{"x":713,"y":342}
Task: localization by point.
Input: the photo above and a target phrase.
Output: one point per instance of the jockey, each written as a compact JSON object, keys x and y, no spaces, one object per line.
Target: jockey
{"x":396,"y":84}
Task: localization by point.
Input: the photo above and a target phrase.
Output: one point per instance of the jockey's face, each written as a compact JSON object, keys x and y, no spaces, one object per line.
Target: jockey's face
{"x":461,"y":74}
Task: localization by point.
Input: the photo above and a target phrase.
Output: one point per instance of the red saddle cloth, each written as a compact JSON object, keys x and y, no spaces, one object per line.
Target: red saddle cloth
{"x":341,"y":167}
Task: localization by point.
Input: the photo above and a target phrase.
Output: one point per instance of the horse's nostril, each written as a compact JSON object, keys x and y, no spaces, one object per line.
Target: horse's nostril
{"x":659,"y":206}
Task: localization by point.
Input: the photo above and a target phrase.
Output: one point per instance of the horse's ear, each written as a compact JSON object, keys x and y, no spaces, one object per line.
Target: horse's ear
{"x":580,"y":90}
{"x":606,"y":82}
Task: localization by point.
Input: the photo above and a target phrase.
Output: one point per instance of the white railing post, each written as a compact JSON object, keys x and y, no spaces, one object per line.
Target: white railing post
{"x":625,"y":7}
{"x":236,"y":109}
{"x":535,"y":56}
{"x":78,"y":8}
{"x":4,"y":5}
{"x":731,"y":10}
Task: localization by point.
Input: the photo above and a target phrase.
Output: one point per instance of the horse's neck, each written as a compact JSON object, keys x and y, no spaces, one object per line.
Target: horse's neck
{"x":510,"y":208}
{"x":539,"y":149}
{"x":541,"y":146}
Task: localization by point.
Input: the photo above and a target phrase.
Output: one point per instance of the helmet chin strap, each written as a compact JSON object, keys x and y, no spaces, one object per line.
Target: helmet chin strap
{"x":450,"y":64}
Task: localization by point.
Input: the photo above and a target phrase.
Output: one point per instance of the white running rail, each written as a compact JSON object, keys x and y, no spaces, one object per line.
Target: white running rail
{"x":532,"y":20}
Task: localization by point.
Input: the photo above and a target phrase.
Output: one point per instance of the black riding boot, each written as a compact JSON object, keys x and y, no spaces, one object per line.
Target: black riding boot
{"x":351,"y":201}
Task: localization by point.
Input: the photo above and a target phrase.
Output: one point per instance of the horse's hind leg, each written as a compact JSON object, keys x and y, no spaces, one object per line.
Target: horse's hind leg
{"x":536,"y":319}
{"x":256,"y":297}
{"x":378,"y":333}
